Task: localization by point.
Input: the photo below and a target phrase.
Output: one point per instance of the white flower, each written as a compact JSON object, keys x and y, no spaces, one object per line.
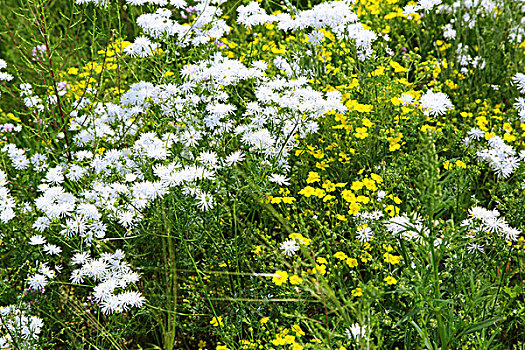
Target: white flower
{"x":449,"y":32}
{"x":474,"y":248}
{"x":519,"y":80}
{"x":5,"y":76}
{"x":435,"y":103}
{"x":205,"y":201}
{"x":37,"y":240}
{"x":364,"y":233}
{"x":281,"y":180}
{"x":289,"y":247}
{"x":234,"y":158}
{"x":356,"y":331}
{"x":410,"y":10}
{"x":37,"y":281}
{"x":406,"y":99}
{"x":428,"y":5}
{"x":52,"y":249}
{"x":142,"y":47}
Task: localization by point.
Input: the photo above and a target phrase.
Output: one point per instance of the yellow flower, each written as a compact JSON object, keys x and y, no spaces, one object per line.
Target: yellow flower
{"x":357,"y":185}
{"x":509,"y":137}
{"x":72,"y":71}
{"x":341,"y":217}
{"x":348,"y":196}
{"x":329,"y":186}
{"x":363,"y":199}
{"x":394,"y":147}
{"x":361,"y":133}
{"x":341,"y":256}
{"x":279,"y":340}
{"x":298,"y":331}
{"x":319,"y":192}
{"x":264,"y":320}
{"x":392,"y":210}
{"x":275,"y":200}
{"x":461,"y":164}
{"x":366,"y":122}
{"x":489,"y":135}
{"x":319,"y":268}
{"x":280,"y":277}
{"x":397,"y":67}
{"x":257,"y":250}
{"x":300,"y":238}
{"x":390,"y":280}
{"x":321,"y":165}
{"x":351,"y":262}
{"x":288,"y":200}
{"x":222,"y":347}
{"x":308,"y":191}
{"x":321,"y":260}
{"x":354,"y":208}
{"x":217,"y":321}
{"x":296,"y":346}
{"x":357,"y":292}
{"x":392,"y":259}
{"x":289,"y":339}
{"x":369,"y":184}
{"x":313,"y":177}
{"x":328,"y":197}
{"x":294,"y":279}
{"x":363,"y":108}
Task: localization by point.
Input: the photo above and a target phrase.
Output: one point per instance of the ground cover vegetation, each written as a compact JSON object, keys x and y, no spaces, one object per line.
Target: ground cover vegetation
{"x":294,"y":175}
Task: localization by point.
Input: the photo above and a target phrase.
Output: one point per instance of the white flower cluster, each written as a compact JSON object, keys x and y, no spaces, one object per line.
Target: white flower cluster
{"x":39,"y":280}
{"x":30,"y":100}
{"x":408,"y":228}
{"x":482,"y":221}
{"x":465,"y":15}
{"x":9,"y":128}
{"x":113,"y":276}
{"x":105,"y":3}
{"x":435,"y":103}
{"x":334,"y":15}
{"x":464,"y":59}
{"x":482,"y":8}
{"x":3,"y":75}
{"x":422,"y":5}
{"x":500,"y":156}
{"x":7,"y":202}
{"x":19,"y":330}
{"x":206,"y":27}
{"x":141,"y":47}
{"x":519,"y":105}
{"x":81,"y":196}
{"x":175,"y":3}
{"x":100,"y":3}
{"x":479,"y":222}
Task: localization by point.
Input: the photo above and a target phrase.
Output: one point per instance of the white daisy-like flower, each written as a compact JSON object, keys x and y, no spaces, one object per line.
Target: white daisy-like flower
{"x":519,"y":80}
{"x":37,"y":240}
{"x":281,"y":180}
{"x":435,"y":103}
{"x":289,"y":247}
